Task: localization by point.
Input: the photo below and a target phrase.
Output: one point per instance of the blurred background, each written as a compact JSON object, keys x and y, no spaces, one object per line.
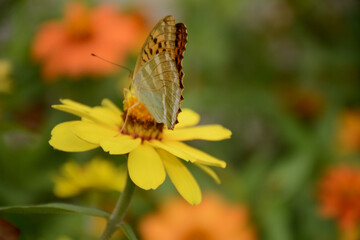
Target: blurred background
{"x":282,"y":75}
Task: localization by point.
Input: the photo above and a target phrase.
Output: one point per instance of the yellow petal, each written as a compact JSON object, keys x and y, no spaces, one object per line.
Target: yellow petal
{"x":84,"y":114}
{"x":198,"y":156}
{"x":72,"y":110}
{"x":72,"y":107}
{"x":120,"y":144}
{"x":106,"y":116}
{"x":110,"y":105}
{"x":170,"y":149}
{"x":210,"y":172}
{"x":69,"y":183}
{"x":187,"y":118}
{"x":146,"y":168}
{"x":209,"y":132}
{"x":65,"y":188}
{"x":63,"y":138}
{"x":191,"y":154}
{"x":92,"y":132}
{"x":102,"y":174}
{"x":101,"y":115}
{"x":181,"y":177}
{"x":75,"y":104}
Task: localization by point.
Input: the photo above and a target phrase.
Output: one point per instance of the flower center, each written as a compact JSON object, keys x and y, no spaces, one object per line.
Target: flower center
{"x":197,"y":234}
{"x":77,"y":22}
{"x":139,"y":122}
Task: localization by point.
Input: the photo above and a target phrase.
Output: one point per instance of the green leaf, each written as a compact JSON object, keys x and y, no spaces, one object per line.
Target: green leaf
{"x":128,"y":231}
{"x":55,"y":208}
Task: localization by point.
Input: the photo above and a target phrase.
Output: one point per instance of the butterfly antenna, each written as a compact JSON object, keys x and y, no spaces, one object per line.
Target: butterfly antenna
{"x":94,"y":55}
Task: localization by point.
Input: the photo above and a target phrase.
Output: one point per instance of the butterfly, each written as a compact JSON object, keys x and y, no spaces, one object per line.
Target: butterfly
{"x":157,"y":80}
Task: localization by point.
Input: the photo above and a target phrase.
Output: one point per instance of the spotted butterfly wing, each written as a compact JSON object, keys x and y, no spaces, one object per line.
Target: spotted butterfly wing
{"x":170,"y":37}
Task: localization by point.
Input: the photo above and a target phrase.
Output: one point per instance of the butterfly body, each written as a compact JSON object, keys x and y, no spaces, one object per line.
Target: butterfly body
{"x":157,"y":78}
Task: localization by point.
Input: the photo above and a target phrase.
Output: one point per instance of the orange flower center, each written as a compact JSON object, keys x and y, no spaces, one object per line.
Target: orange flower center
{"x":78,"y":22}
{"x":139,"y":122}
{"x":197,"y":234}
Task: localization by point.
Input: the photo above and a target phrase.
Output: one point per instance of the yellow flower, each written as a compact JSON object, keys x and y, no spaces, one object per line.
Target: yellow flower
{"x":5,"y":79}
{"x":151,"y":147}
{"x":98,"y":174}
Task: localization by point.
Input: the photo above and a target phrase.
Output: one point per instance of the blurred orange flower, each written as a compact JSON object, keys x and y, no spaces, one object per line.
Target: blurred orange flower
{"x":212,"y":219}
{"x":64,"y":47}
{"x":339,"y":196}
{"x":304,"y":103}
{"x":349,"y":131}
{"x":8,"y":231}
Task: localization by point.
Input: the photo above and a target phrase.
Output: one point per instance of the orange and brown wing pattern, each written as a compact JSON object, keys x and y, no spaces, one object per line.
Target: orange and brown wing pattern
{"x":161,"y":38}
{"x":168,"y":37}
{"x":180,"y":46}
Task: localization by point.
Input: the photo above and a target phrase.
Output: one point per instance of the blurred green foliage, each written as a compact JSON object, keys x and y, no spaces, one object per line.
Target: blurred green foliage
{"x":244,"y":61}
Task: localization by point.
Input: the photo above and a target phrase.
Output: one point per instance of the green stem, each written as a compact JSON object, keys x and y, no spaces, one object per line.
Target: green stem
{"x":120,"y":210}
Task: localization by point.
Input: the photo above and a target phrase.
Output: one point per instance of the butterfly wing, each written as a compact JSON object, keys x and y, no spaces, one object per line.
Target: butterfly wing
{"x":168,"y":37}
{"x":161,"y":38}
{"x":180,"y":45}
{"x":157,"y":86}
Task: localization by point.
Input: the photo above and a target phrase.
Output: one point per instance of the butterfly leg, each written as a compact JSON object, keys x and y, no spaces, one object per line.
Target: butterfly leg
{"x":127,"y":91}
{"x":127,"y":114}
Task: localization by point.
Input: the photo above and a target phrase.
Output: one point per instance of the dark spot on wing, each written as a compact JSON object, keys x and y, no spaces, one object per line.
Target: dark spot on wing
{"x":146,"y":53}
